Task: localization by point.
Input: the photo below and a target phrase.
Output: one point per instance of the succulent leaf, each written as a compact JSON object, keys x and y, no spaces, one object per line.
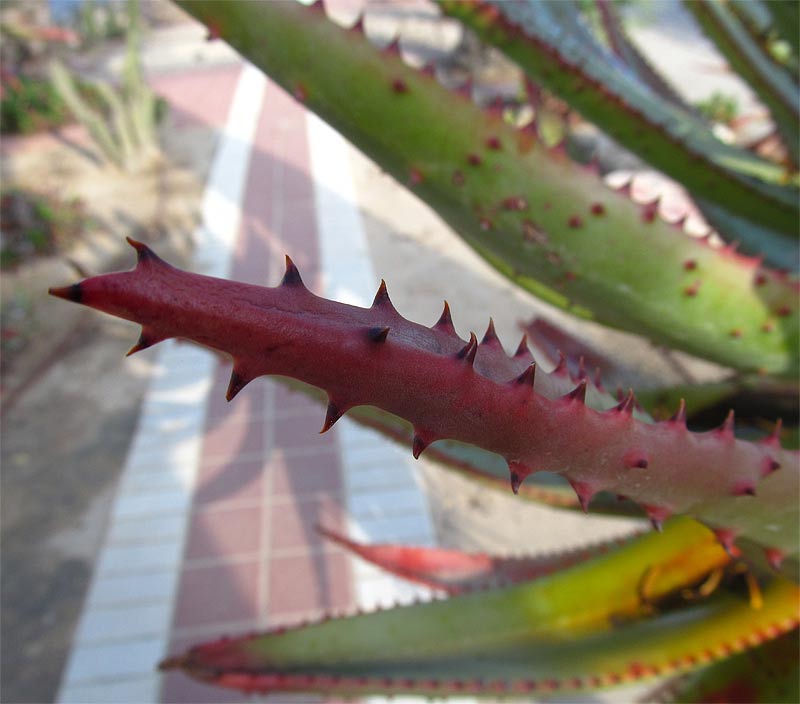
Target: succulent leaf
{"x":532,"y":34}
{"x":774,"y":87}
{"x":528,"y":210}
{"x":536,"y":636}
{"x":462,"y":391}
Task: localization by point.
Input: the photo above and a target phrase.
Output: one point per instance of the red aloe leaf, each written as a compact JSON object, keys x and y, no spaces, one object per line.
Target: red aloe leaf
{"x":449,"y":388}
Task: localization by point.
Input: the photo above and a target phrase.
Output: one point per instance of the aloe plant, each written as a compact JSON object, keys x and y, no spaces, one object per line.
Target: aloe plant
{"x":719,"y":575}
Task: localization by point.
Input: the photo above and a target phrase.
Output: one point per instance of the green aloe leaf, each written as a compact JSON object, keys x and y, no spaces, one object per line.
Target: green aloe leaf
{"x":548,"y":224}
{"x":774,"y":87}
{"x":533,"y":35}
{"x":546,"y":635}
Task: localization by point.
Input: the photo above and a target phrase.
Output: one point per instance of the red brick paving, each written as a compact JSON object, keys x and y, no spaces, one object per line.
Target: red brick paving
{"x":266,"y":476}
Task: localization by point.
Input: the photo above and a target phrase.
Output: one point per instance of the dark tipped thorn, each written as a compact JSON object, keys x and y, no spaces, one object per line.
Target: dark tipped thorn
{"x":769,"y":465}
{"x":522,"y":349}
{"x":578,"y":393}
{"x":636,"y":459}
{"x":235,"y":385}
{"x":468,"y":351}
{"x":657,"y":516}
{"x":516,"y":481}
{"x":292,"y":275}
{"x":331,"y":416}
{"x":418,"y":446}
{"x":381,"y":299}
{"x":378,"y":335}
{"x":679,"y":416}
{"x":584,"y":493}
{"x":490,"y":336}
{"x":774,"y":438}
{"x":527,"y":377}
{"x":142,"y":344}
{"x":727,"y":539}
{"x":445,"y":321}
{"x":68,"y":293}
{"x":143,"y":252}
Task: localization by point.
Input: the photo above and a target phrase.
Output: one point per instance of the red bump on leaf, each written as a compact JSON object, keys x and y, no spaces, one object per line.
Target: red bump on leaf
{"x":693,"y":289}
{"x":775,"y":557}
{"x":597,"y":209}
{"x":736,"y":333}
{"x":474,"y":160}
{"x":415,"y":177}
{"x":493,"y":143}
{"x":744,"y":488}
{"x":636,"y":459}
{"x":760,"y":279}
{"x":783,"y":312}
{"x":378,"y":335}
{"x":768,"y":326}
{"x":690,"y":265}
{"x":458,"y":178}
{"x":575,"y":222}
{"x":486,"y":224}
{"x":399,"y":86}
{"x":516,"y":203}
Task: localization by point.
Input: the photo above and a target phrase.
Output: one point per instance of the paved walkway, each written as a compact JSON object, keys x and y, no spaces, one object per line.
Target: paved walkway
{"x":213,"y":528}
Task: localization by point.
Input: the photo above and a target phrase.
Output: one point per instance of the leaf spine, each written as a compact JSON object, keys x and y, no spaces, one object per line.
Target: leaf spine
{"x":468,"y":351}
{"x":236,"y":383}
{"x":578,"y":393}
{"x":523,"y":352}
{"x":445,"y":322}
{"x":679,"y":417}
{"x":490,"y":336}
{"x":527,"y":377}
{"x":333,"y":413}
{"x":378,"y":335}
{"x":292,"y":275}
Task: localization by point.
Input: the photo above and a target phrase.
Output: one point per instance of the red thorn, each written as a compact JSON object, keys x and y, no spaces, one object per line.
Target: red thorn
{"x":744,"y":488}
{"x":378,"y":334}
{"x":494,"y":143}
{"x":597,"y":209}
{"x":292,"y":276}
{"x":725,"y":431}
{"x":584,"y":492}
{"x":690,"y":264}
{"x":517,"y":474}
{"x":775,"y":557}
{"x":657,"y":516}
{"x":237,"y":382}
{"x":381,"y":299}
{"x":144,"y":255}
{"x":212,"y":32}
{"x":418,"y":445}
{"x":768,"y":466}
{"x":358,"y":25}
{"x":515,"y":203}
{"x":575,"y":222}
{"x":331,"y":416}
{"x":528,"y":377}
{"x":146,"y":339}
{"x":72,"y":293}
{"x":679,"y":417}
{"x":415,"y":177}
{"x":578,"y":393}
{"x":474,"y":160}
{"x":522,"y":349}
{"x":490,"y":336}
{"x":636,"y":459}
{"x":469,"y":350}
{"x":727,"y":539}
{"x":649,"y":212}
{"x":445,"y":321}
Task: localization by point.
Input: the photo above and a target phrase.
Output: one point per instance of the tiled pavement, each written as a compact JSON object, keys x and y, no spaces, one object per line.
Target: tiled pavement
{"x":213,"y":528}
